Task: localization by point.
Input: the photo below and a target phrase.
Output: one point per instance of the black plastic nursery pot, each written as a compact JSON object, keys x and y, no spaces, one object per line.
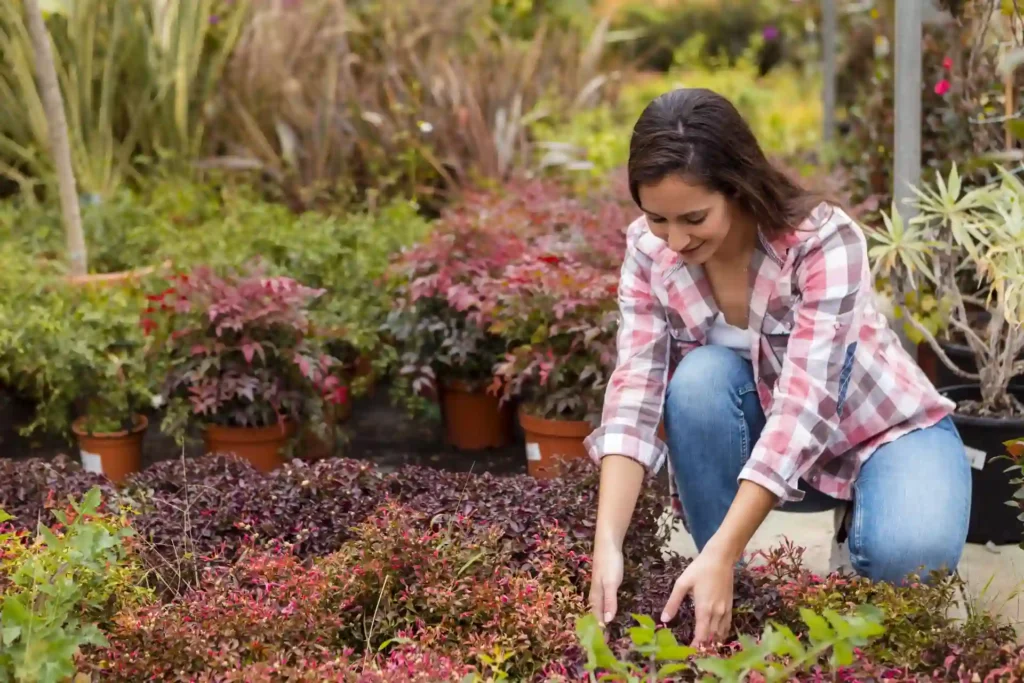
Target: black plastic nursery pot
{"x":939,"y":373}
{"x":992,"y":520}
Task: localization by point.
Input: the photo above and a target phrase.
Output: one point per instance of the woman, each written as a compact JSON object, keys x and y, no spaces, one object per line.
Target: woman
{"x":749,"y":328}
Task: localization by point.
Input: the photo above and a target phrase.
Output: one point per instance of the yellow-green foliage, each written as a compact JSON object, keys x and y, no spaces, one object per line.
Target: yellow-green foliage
{"x":783,"y":109}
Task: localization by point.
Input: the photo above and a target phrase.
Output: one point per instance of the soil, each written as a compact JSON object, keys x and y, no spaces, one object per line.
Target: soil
{"x":379,"y":432}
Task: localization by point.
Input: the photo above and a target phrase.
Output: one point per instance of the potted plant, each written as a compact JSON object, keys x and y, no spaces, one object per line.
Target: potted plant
{"x":968,"y":245}
{"x":80,"y":355}
{"x":446,"y":352}
{"x":559,"y":315}
{"x":242,"y":361}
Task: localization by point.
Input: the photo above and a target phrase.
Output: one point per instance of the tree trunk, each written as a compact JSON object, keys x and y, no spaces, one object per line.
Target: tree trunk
{"x":60,"y":148}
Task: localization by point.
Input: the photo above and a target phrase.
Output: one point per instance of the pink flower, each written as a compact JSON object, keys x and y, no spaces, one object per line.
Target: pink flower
{"x":942,"y":87}
{"x":947,"y":63}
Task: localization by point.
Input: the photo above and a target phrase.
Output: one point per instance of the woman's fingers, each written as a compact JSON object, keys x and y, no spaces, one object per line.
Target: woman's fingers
{"x":704,"y":624}
{"x":682,"y":586}
{"x":723,"y":626}
{"x":610,"y":605}
{"x":597,"y":598}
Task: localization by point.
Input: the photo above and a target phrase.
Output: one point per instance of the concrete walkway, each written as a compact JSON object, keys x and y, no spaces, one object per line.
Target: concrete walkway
{"x":994,"y":576}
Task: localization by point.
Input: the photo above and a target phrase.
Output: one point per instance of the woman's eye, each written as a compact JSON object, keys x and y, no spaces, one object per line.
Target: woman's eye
{"x":655,"y":220}
{"x":696,"y":221}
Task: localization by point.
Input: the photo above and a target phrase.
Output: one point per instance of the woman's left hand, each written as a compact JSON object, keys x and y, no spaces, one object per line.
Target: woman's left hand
{"x":709,"y":578}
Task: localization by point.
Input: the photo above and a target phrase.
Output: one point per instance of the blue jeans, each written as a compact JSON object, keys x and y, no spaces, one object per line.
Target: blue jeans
{"x":912,"y":498}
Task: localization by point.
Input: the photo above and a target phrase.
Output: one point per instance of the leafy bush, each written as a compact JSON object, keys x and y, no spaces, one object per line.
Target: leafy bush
{"x":777,"y":656}
{"x":400,"y":577}
{"x":77,"y":351}
{"x":308,"y":571}
{"x":29,"y":489}
{"x":54,"y":588}
{"x":779,"y":107}
{"x":240,"y":350}
{"x":224,"y":225}
{"x":207,"y":511}
{"x":727,"y":26}
{"x":516,"y":289}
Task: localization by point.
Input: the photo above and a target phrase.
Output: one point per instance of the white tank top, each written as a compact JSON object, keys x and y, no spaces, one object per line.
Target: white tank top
{"x":722,"y":333}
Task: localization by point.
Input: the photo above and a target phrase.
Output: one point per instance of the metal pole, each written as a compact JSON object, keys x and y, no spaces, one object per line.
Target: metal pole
{"x":829,"y":29}
{"x":907,"y":96}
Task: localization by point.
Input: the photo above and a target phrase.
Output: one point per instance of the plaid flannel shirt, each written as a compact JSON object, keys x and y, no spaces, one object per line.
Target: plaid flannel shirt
{"x":833,"y":379}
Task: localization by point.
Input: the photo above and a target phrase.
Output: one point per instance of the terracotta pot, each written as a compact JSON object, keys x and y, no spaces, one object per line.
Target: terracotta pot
{"x":261,"y":446}
{"x":549,"y":443}
{"x":114,"y":455}
{"x":474,"y":419}
{"x":315,"y":447}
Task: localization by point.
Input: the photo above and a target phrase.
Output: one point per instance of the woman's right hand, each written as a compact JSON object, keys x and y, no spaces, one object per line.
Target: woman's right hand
{"x":605,"y":580}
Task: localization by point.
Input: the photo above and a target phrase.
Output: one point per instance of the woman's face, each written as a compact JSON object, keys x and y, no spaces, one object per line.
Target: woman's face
{"x":694,"y":221}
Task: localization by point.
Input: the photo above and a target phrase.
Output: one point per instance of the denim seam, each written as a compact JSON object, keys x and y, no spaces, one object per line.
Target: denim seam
{"x":744,"y":427}
{"x":856,"y":540}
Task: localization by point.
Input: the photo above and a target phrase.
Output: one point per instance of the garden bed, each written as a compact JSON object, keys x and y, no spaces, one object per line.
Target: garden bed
{"x":336,"y":570}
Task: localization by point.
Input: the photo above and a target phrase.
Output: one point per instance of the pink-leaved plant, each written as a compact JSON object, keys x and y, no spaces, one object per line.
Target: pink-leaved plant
{"x":241,"y":350}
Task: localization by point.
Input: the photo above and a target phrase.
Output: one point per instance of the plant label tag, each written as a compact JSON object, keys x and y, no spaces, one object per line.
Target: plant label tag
{"x":92,"y":463}
{"x":533,"y":452}
{"x":976,"y":457}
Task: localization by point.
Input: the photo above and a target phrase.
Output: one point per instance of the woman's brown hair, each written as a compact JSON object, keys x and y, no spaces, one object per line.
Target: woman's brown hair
{"x":697,"y":133}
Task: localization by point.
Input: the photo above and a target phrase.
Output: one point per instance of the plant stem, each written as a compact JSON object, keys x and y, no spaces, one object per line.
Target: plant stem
{"x":932,"y":342}
{"x":60,"y":148}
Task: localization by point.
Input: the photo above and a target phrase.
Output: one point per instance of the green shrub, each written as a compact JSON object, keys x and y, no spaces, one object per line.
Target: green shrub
{"x":781,"y":108}
{"x":55,"y":588}
{"x":727,"y":27}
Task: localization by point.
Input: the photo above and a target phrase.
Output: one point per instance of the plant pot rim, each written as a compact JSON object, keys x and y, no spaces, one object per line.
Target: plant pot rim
{"x":548,"y":427}
{"x":117,"y":276}
{"x":236,"y":434}
{"x":465,"y":386}
{"x":977,"y":421}
{"x":79,"y":430}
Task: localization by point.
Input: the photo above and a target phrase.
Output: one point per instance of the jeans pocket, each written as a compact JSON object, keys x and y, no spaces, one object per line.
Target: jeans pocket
{"x":844,"y":377}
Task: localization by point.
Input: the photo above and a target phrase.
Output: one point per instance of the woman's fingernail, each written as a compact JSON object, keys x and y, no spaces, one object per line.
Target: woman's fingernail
{"x":607,"y":617}
{"x":664,"y":617}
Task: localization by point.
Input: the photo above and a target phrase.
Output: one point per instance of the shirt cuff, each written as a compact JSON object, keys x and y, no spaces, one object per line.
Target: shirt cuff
{"x":630,"y":441}
{"x":761,"y":474}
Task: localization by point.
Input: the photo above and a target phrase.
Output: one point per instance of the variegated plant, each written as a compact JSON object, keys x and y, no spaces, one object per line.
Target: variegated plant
{"x":967,"y":245}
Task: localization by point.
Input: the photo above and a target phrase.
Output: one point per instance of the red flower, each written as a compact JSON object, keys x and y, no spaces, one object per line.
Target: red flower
{"x":148,"y":325}
{"x":551,"y":260}
{"x":942,"y":87}
{"x":947,"y":63}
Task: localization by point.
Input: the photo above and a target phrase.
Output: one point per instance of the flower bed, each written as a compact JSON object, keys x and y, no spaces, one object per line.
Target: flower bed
{"x":336,"y":571}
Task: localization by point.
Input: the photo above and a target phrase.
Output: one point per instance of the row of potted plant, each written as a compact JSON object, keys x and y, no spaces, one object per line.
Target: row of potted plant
{"x":512,"y":300}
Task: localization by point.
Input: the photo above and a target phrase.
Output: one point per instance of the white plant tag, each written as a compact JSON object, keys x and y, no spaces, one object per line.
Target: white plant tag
{"x":92,"y":463}
{"x":976,"y":457}
{"x":533,"y":452}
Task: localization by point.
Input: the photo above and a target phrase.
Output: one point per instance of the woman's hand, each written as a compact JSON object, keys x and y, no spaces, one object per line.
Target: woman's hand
{"x":605,"y":581}
{"x":709,"y":578}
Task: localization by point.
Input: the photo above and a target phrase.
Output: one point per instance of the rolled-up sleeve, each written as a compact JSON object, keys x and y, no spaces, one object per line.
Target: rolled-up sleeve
{"x":808,"y":397}
{"x":635,"y":395}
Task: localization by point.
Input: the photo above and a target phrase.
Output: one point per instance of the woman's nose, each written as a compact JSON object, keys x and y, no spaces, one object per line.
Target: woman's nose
{"x":677,"y":239}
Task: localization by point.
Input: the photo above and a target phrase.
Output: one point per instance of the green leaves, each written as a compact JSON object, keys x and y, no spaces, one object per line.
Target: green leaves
{"x":55,"y":585}
{"x":778,"y":655}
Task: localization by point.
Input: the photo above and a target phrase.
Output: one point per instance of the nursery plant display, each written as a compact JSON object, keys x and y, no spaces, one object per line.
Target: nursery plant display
{"x":966,"y":244}
{"x":242,"y":360}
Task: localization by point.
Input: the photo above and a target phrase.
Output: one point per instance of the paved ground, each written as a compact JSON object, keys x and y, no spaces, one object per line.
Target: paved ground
{"x":994,"y":576}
